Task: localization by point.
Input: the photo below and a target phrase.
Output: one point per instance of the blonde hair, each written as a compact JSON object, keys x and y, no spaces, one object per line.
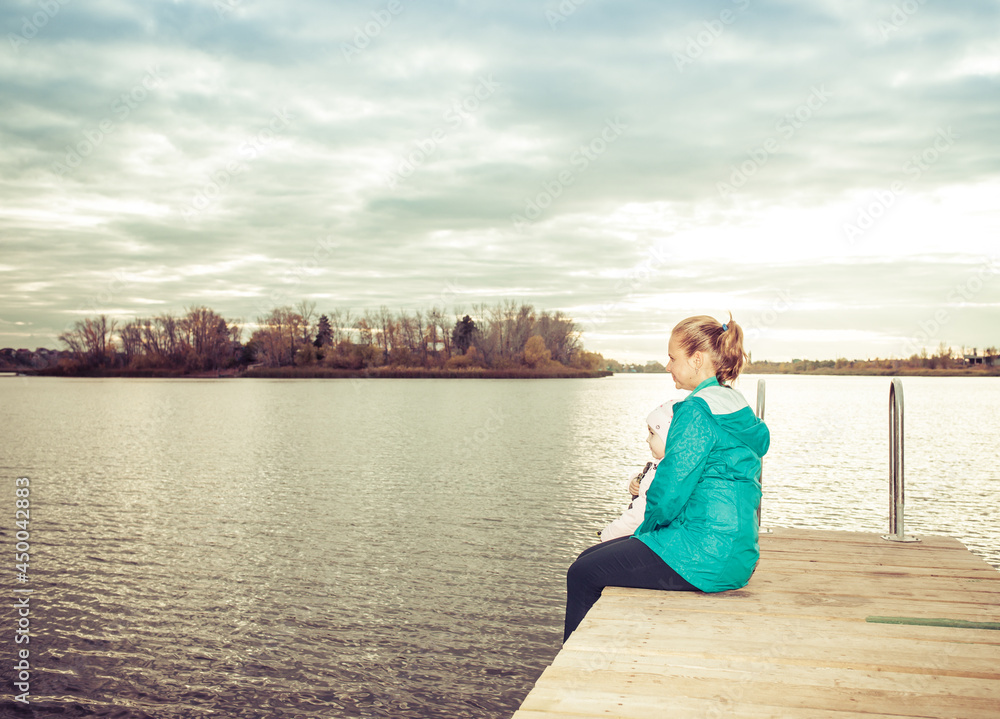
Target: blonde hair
{"x":723,"y":343}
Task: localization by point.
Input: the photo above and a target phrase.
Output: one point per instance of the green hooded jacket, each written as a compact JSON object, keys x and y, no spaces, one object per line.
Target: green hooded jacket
{"x":701,"y":507}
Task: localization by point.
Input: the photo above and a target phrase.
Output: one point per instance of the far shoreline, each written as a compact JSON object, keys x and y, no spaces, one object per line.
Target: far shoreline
{"x":325,"y":373}
{"x":881,"y":372}
{"x":475,"y":373}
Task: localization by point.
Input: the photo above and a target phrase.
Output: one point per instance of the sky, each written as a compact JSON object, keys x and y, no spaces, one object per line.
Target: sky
{"x":826,"y":171}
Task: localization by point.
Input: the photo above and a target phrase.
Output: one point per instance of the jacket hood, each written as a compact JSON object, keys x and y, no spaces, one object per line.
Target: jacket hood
{"x":730,"y":409}
{"x":747,"y":428}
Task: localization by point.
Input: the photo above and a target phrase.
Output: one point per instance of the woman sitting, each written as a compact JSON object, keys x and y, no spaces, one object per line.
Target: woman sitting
{"x":699,"y":531}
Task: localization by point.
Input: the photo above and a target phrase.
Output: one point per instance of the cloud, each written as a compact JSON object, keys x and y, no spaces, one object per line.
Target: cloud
{"x":235,"y":152}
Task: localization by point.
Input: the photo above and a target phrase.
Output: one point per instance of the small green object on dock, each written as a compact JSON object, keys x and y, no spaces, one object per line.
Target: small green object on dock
{"x":925,"y":622}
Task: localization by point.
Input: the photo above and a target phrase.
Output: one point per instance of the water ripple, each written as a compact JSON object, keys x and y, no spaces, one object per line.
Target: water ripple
{"x":392,"y":548}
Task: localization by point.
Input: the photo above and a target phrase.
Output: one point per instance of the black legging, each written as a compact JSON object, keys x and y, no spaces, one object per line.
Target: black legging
{"x":621,"y":562}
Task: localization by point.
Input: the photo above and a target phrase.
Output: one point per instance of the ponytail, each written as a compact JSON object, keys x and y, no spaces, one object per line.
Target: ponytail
{"x":723,"y":343}
{"x":729,"y":352}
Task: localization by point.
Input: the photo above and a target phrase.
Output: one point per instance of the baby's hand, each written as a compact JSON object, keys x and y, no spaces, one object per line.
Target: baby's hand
{"x":633,"y":486}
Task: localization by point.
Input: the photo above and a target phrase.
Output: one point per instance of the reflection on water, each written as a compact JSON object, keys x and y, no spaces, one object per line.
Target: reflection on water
{"x":393,"y":548}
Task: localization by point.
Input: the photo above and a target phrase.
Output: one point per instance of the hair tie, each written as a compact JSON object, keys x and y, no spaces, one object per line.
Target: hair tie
{"x":725,"y":327}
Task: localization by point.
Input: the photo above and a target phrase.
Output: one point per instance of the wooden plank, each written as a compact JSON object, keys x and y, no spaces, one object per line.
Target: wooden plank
{"x":602,"y":705}
{"x":880,"y":556}
{"x":873,"y":653}
{"x":802,"y":632}
{"x":646,"y":697}
{"x":875,"y":587}
{"x":804,"y":645}
{"x":760,"y":609}
{"x":793,"y":535}
{"x":854,"y":591}
{"x":874,"y":556}
{"x":783,"y":604}
{"x":794,"y":576}
{"x":846,"y":541}
{"x":810,"y":564}
{"x":817,"y":671}
{"x":876,"y":584}
{"x":682,"y":706}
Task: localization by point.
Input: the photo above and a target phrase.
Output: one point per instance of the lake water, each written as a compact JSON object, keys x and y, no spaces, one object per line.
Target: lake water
{"x":392,"y":548}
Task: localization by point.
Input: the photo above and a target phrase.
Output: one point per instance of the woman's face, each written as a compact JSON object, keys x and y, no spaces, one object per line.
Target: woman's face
{"x":681,"y":366}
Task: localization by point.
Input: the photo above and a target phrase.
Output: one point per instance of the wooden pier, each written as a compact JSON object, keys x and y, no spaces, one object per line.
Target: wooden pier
{"x":831,"y":625}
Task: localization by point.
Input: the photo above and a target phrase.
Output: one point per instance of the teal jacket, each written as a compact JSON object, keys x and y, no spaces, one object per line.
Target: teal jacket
{"x":701,"y":505}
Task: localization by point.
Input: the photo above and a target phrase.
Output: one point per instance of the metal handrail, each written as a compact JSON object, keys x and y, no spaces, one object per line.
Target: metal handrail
{"x":761,"y":387}
{"x":896,"y":480}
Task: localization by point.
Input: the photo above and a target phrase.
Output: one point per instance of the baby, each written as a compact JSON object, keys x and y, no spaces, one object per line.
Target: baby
{"x":658,"y":422}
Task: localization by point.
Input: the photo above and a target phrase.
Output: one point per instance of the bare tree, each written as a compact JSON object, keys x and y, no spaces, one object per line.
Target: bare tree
{"x":421,"y":338}
{"x":386,"y":327}
{"x":278,"y":337}
{"x":489,"y":335}
{"x":521,"y":328}
{"x":561,"y":335}
{"x":443,"y":329}
{"x":337,"y":327}
{"x":306,"y":310}
{"x":75,"y":343}
{"x":92,"y":341}
{"x":236,"y":331}
{"x":152,"y":345}
{"x":341,"y":326}
{"x":410,"y":335}
{"x":131,"y":338}
{"x":365,"y":331}
{"x":206,"y":339}
{"x":170,"y":335}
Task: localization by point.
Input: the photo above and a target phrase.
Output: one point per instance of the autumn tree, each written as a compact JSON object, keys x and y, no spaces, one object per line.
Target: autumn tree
{"x":561,"y":335}
{"x":507,"y":329}
{"x":591,"y":361}
{"x":278,"y":337}
{"x":365,"y":332}
{"x":535,"y":352}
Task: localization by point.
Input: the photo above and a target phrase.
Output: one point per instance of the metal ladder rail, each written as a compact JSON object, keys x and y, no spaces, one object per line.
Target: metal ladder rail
{"x":761,"y":389}
{"x":896,"y":480}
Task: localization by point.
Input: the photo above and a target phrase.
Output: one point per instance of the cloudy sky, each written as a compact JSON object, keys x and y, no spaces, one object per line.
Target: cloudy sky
{"x":828,"y":170}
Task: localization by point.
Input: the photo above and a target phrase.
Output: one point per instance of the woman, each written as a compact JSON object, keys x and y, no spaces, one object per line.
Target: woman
{"x":699,"y":531}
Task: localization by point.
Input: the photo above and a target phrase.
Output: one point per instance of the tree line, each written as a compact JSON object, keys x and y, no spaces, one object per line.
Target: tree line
{"x":944,"y":359}
{"x":505,"y":335}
